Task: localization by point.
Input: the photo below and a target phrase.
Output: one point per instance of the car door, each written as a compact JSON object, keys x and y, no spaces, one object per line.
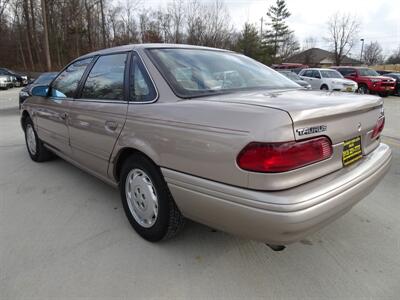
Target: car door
{"x":316,"y":80}
{"x":306,"y":75}
{"x":51,"y":115}
{"x":97,"y":115}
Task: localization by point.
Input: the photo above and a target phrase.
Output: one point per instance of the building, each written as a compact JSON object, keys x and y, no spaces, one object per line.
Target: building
{"x":319,"y":58}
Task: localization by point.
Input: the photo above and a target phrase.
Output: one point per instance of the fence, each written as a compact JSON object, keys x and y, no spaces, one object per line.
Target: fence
{"x":395,"y":67}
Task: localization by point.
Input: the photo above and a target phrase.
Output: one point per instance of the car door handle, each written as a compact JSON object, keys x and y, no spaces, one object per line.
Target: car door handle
{"x":111,"y":125}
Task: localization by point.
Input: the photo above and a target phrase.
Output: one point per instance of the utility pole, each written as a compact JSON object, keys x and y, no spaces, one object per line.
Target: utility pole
{"x":362,"y":48}
{"x":261,"y":25}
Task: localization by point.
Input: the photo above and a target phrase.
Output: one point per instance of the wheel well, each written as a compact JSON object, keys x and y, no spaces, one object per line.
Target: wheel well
{"x":324,"y":85}
{"x":122,"y":156}
{"x":25,"y":116}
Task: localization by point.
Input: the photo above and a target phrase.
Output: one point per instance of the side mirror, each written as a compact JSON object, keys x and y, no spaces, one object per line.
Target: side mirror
{"x":40,"y":90}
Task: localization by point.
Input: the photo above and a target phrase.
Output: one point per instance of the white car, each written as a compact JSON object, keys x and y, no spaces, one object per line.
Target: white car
{"x":328,"y":79}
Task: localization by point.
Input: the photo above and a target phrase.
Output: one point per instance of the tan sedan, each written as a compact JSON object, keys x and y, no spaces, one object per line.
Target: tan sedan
{"x":212,"y":136}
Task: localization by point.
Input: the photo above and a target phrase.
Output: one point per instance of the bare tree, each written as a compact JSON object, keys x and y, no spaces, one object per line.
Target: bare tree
{"x":308,"y":43}
{"x":342,"y":33}
{"x":289,"y":46}
{"x":373,"y":54}
{"x":46,"y":35}
{"x":3,"y":6}
{"x":394,"y":58}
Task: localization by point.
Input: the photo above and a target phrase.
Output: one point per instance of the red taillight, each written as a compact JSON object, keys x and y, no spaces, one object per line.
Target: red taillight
{"x":378,"y":127}
{"x":281,"y":157}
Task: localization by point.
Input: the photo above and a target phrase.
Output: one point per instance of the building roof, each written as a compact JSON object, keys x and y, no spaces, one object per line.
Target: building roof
{"x":315,"y":56}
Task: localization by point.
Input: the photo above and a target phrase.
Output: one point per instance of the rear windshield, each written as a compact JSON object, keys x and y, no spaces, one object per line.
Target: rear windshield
{"x":197,"y":72}
{"x":331,"y":74}
{"x":368,"y":72}
{"x":291,"y":75}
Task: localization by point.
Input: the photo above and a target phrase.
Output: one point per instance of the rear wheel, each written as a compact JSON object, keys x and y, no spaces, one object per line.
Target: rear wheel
{"x":37,"y":151}
{"x":147,"y":201}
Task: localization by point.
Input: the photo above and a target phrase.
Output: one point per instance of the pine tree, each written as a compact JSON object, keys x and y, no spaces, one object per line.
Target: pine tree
{"x":278,"y":31}
{"x":249,"y":41}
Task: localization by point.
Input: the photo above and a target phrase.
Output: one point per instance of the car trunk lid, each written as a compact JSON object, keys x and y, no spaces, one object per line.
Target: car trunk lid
{"x":340,"y":115}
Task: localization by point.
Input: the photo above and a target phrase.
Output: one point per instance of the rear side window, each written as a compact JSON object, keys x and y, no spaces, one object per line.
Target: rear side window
{"x":141,"y":87}
{"x":66,"y":83}
{"x":106,"y":79}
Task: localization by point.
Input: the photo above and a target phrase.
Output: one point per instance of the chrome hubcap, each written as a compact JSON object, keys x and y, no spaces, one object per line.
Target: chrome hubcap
{"x":31,"y":139}
{"x":141,"y":197}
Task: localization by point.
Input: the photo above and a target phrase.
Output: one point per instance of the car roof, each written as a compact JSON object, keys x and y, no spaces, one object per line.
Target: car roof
{"x":146,"y":46}
{"x":353,"y":67}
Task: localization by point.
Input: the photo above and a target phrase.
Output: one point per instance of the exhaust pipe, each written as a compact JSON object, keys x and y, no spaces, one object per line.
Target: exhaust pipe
{"x":276,"y":247}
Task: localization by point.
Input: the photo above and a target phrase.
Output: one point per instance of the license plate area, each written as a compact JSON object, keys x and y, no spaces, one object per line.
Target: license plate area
{"x":352,"y":151}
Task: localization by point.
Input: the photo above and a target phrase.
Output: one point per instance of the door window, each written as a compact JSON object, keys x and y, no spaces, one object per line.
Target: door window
{"x":141,"y":87}
{"x":106,"y":79}
{"x":66,"y":83}
{"x":316,"y":74}
{"x":307,"y":73}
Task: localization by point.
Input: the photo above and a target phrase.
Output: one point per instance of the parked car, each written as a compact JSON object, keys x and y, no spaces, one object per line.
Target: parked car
{"x":369,"y":81}
{"x":327,"y":79}
{"x":20,"y":80}
{"x":396,"y":77}
{"x":296,"y":78}
{"x":252,"y":154}
{"x":43,"y":79}
{"x":5,"y":82}
{"x":383,"y":72}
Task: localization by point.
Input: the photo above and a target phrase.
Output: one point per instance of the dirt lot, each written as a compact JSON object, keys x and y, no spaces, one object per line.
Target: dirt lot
{"x":63,"y":234}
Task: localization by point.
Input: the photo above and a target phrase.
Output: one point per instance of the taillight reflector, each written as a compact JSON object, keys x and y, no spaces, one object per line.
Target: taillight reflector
{"x":282,"y":157}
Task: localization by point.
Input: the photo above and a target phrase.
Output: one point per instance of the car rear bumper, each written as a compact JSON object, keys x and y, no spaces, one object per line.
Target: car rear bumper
{"x":278,"y":217}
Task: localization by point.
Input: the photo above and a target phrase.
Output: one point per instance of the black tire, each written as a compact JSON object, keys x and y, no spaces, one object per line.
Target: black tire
{"x":324,"y":87}
{"x":169,"y":220}
{"x":363,"y":89}
{"x":42,"y":153}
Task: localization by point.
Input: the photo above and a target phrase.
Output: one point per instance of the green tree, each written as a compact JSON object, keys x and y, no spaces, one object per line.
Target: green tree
{"x":279,"y":31}
{"x":249,"y":42}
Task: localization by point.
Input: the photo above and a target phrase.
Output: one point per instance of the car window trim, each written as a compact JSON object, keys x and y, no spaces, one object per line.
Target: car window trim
{"x":62,"y":70}
{"x":78,"y":95}
{"x":135,"y":54}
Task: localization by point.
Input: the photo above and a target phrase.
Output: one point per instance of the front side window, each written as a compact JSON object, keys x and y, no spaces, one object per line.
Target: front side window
{"x":330,"y":74}
{"x":316,"y":74}
{"x":66,"y":83}
{"x":141,"y":87}
{"x":198,"y":72}
{"x":106,"y":79}
{"x":307,"y":73}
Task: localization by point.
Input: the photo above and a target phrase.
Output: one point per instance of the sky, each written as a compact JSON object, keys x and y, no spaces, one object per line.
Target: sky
{"x":380,"y":19}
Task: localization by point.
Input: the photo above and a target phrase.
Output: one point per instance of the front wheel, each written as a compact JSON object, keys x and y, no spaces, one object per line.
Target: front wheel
{"x":37,"y":151}
{"x":147,"y":201}
{"x":363,"y":89}
{"x":324,"y":88}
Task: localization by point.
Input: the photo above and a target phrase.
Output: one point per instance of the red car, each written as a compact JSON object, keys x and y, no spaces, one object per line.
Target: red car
{"x":369,"y":81}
